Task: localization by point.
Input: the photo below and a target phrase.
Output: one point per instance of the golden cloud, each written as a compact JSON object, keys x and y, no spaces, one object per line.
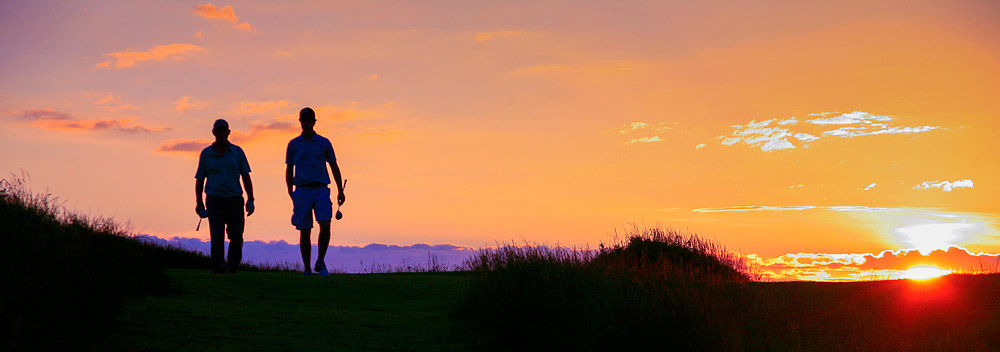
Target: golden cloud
{"x":129,"y":58}
{"x":225,"y":14}
{"x":186,"y":103}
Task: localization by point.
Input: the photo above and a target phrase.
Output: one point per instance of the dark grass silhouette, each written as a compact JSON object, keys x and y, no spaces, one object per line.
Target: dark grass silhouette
{"x":656,"y":288}
{"x":65,"y":274}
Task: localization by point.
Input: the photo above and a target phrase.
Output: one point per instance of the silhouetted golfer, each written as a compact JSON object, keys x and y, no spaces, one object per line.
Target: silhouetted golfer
{"x":223,"y":164}
{"x":306,"y":159}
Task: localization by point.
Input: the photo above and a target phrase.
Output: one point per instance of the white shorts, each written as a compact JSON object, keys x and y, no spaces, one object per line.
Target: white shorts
{"x":306,"y":201}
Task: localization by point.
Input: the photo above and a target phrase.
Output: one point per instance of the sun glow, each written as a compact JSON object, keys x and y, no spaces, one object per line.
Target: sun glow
{"x":924,"y":272}
{"x":930,"y":237}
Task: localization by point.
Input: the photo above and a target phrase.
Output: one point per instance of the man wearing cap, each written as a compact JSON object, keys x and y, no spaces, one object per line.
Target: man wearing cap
{"x":306,"y":159}
{"x":223,"y":164}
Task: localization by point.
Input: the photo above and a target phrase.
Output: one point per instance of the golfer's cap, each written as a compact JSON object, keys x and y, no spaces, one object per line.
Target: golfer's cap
{"x":220,"y":124}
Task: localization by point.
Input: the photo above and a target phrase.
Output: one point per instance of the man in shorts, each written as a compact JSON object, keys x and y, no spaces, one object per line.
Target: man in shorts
{"x":306,"y":159}
{"x":223,"y":164}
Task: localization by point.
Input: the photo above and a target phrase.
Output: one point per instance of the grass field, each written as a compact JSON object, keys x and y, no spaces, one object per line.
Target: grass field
{"x":289,"y":311}
{"x":417,"y":312}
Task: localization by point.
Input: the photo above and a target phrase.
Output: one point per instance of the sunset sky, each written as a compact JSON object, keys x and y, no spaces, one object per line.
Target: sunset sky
{"x":813,"y":136}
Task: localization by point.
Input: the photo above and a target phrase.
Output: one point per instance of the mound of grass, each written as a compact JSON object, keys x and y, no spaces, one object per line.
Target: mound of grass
{"x":656,"y":288}
{"x":65,"y":274}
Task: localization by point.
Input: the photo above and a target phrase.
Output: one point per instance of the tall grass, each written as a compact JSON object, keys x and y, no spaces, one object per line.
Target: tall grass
{"x":64,"y":274}
{"x":657,"y":287}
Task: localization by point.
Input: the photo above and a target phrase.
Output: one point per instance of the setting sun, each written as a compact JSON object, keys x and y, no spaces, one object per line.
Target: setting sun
{"x":924,"y":272}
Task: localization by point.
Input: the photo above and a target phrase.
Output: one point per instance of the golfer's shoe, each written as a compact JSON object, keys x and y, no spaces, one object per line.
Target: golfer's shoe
{"x":307,"y":272}
{"x":321,"y":268}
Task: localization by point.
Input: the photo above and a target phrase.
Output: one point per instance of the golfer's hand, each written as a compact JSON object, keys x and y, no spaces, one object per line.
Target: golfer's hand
{"x":250,"y":207}
{"x":199,"y":209}
{"x":340,"y":198}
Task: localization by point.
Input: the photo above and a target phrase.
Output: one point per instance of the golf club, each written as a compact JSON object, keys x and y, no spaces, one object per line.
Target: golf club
{"x":339,"y":214}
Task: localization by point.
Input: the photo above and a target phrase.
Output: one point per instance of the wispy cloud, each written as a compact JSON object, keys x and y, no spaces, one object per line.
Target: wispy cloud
{"x":46,"y":114}
{"x":226,"y":14}
{"x":870,"y":187}
{"x":752,"y":208}
{"x":109,"y":99}
{"x":351,"y":112}
{"x":185,"y":103}
{"x":129,"y":57}
{"x":250,"y":107}
{"x":787,"y":208}
{"x":641,"y":132}
{"x":946,"y":186}
{"x":778,"y":134}
{"x":759,"y":134}
{"x":113,"y":102}
{"x":488,"y":36}
{"x":182,"y":145}
{"x":54,"y":120}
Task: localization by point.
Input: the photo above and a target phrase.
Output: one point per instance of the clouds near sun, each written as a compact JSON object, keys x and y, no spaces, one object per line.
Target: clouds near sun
{"x":946,"y":186}
{"x":783,"y":134}
{"x":129,"y":57}
{"x":868,"y":266}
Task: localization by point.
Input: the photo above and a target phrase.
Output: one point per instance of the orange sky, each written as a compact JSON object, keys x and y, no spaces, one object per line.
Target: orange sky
{"x":778,"y":127}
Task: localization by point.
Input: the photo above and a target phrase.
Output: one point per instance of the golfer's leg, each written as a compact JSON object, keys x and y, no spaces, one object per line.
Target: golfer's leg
{"x":324,"y":239}
{"x":217,"y":229}
{"x":302,"y":220}
{"x":235,"y":232}
{"x":324,"y":213}
{"x":305,"y":246}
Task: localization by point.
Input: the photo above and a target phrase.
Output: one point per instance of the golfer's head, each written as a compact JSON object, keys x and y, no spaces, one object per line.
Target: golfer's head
{"x":307,"y":118}
{"x":220,"y":128}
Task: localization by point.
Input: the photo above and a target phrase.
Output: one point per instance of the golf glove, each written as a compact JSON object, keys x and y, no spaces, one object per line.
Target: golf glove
{"x":250,"y":207}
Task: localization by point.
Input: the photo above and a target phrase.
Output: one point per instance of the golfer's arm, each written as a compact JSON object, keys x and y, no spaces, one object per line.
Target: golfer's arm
{"x":336,"y":176}
{"x":199,"y":188}
{"x":289,"y":176}
{"x":248,"y":185}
